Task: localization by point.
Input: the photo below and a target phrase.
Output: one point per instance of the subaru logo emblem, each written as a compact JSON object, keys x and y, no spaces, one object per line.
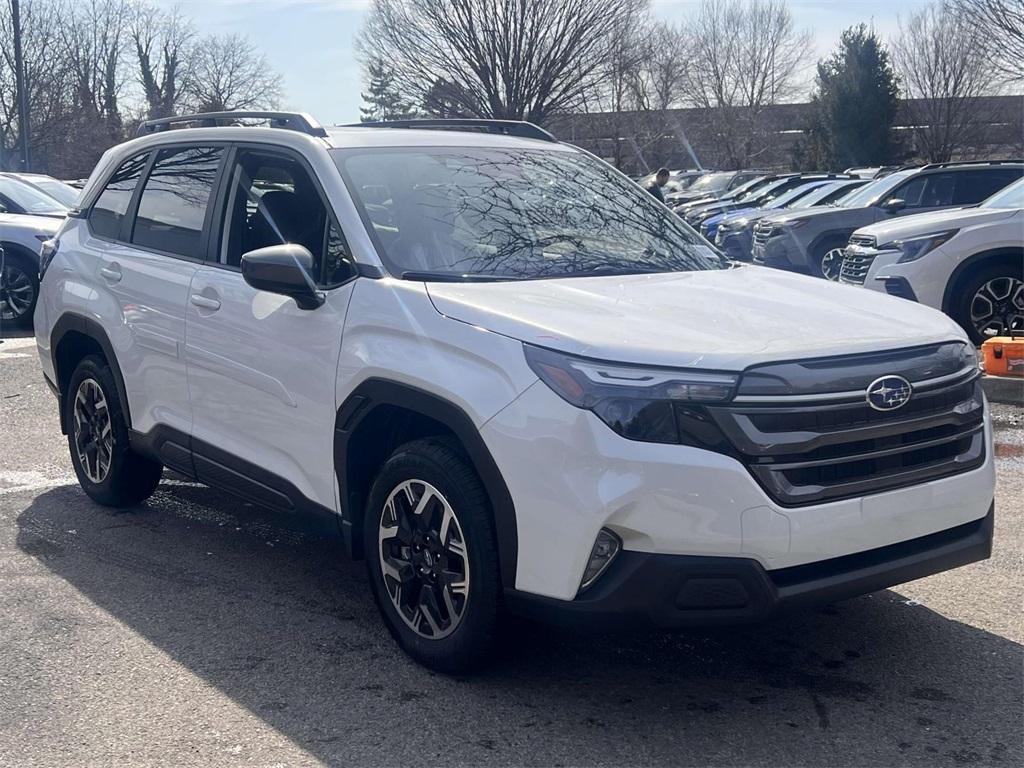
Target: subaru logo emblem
{"x":888,"y":393}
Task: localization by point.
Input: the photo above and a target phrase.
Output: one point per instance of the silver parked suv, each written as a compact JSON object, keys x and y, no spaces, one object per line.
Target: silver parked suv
{"x":812,"y":241}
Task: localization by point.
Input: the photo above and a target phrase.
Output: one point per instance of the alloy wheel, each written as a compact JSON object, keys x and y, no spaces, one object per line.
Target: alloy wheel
{"x":998,"y":307}
{"x":423,"y":559}
{"x":16,"y":292}
{"x":832,"y":264}
{"x":93,"y":431}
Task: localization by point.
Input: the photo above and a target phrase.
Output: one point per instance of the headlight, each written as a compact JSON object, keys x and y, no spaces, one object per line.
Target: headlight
{"x":649,"y":404}
{"x":916,"y":247}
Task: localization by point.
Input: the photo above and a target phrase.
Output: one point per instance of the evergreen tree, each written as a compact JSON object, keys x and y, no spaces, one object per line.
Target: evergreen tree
{"x":383,"y":101}
{"x":854,"y":106}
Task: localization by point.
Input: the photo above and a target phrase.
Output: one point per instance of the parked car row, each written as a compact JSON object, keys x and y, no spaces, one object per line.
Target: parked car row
{"x":872,"y":227}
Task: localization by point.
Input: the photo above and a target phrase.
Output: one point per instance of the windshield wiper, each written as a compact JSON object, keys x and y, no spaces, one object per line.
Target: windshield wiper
{"x":453,"y":277}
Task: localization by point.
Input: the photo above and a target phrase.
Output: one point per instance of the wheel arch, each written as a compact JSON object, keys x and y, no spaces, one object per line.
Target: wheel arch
{"x":12,"y":248}
{"x":381,"y":414}
{"x":976,"y":261}
{"x":73,"y":337}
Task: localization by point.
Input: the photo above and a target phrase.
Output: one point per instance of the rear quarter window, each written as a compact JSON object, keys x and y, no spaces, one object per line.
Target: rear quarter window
{"x":110,"y":207}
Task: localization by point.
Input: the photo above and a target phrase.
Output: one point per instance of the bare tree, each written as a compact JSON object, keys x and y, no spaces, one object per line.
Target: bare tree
{"x":1001,"y":23}
{"x":46,"y":76}
{"x":163,"y":47}
{"x":663,"y":70}
{"x":513,"y":59}
{"x":945,"y":69}
{"x":230,"y":73}
{"x":744,"y":55}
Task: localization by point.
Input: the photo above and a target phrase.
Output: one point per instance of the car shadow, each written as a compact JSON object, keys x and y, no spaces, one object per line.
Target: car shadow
{"x":9,"y":330}
{"x":279,"y":621}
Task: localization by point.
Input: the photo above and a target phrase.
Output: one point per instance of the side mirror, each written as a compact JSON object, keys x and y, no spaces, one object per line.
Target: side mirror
{"x":894,"y":204}
{"x":285,"y":269}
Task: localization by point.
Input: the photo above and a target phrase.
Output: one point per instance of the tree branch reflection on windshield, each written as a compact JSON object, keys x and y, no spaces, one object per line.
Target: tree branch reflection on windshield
{"x":514,"y":214}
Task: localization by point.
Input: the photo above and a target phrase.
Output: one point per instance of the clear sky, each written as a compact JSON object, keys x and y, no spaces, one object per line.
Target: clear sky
{"x":310,"y":42}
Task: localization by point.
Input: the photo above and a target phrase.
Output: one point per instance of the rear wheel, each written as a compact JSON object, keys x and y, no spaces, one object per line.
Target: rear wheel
{"x":108,"y":470}
{"x":431,"y":556}
{"x":19,"y":289}
{"x":991,"y":302}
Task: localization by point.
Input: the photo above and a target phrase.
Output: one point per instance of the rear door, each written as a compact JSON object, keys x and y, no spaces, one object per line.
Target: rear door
{"x":262,"y":371}
{"x":147,"y":235}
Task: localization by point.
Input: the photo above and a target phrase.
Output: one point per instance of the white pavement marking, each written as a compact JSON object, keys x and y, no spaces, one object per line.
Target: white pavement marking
{"x":20,"y":482}
{"x":8,"y":345}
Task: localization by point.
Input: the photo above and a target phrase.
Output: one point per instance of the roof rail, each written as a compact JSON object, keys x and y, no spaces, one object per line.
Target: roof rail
{"x":953,"y":163}
{"x":295,"y":121}
{"x":518,"y":128}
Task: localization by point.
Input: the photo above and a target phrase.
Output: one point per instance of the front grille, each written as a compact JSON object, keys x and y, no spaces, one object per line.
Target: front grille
{"x":808,"y":450}
{"x":856,"y":265}
{"x":762,"y":232}
{"x":866,"y":241}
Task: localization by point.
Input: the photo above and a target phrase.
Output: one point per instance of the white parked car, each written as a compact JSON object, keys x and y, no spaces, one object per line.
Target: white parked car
{"x":968,"y":262}
{"x":505,"y":376}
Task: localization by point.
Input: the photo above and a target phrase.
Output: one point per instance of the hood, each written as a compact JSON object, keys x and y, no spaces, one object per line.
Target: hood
{"x":846,"y":215}
{"x":924,"y":223}
{"x":44,"y":225}
{"x":716,"y":319}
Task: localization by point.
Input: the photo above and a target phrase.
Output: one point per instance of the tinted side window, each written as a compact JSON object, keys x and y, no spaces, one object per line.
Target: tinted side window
{"x":273,"y":200}
{"x":173,"y":203}
{"x":109,"y":209}
{"x":974,"y":186}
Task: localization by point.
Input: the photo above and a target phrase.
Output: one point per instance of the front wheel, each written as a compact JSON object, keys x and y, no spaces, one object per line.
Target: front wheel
{"x":991,"y":303}
{"x":109,"y":471}
{"x":431,"y":556}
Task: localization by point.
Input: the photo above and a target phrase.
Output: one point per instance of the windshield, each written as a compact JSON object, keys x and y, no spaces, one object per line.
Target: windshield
{"x":833,"y":192}
{"x":1011,"y":197}
{"x":28,"y":198}
{"x":61,"y":192}
{"x":712,"y":182}
{"x":459,"y":213}
{"x":786,"y":198}
{"x":873,"y":191}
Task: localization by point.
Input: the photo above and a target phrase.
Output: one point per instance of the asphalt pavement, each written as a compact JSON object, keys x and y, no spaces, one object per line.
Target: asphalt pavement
{"x":197,"y":630}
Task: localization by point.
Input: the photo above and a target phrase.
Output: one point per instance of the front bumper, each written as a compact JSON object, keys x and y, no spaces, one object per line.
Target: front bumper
{"x":675,"y":591}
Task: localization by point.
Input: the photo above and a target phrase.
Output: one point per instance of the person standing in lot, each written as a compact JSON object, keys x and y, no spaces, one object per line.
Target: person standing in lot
{"x":660,"y":180}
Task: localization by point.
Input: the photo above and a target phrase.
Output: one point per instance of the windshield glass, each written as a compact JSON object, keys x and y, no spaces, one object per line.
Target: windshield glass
{"x":459,"y":213}
{"x":712,"y":182}
{"x":871,"y":192}
{"x":61,"y":192}
{"x":833,"y":192}
{"x":789,"y":196}
{"x":28,"y":198}
{"x":1011,"y":197}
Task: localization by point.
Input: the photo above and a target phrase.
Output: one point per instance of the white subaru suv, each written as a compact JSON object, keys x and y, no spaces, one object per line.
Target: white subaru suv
{"x":505,"y":376}
{"x":968,"y":262}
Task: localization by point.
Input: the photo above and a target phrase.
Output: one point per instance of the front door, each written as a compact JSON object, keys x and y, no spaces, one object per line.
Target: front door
{"x":262,"y":371}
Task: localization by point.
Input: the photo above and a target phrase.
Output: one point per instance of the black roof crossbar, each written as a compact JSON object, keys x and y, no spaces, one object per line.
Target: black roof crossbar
{"x":954,"y":163}
{"x":518,"y":128}
{"x":295,"y":121}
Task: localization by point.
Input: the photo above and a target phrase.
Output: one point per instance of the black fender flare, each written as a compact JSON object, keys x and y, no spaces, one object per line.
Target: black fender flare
{"x":376,"y":392}
{"x":72,"y":321}
{"x":970,"y":263}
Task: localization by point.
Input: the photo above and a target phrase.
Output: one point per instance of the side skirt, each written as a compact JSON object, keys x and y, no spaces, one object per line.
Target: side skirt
{"x":205,"y":463}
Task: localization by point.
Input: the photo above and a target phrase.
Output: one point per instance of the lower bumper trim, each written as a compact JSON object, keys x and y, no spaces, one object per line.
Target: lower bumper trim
{"x":677,"y":591}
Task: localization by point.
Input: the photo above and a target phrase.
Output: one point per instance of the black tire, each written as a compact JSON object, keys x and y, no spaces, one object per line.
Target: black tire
{"x":130,"y":477}
{"x":22,"y":275}
{"x":442,"y":464}
{"x":968,"y":287}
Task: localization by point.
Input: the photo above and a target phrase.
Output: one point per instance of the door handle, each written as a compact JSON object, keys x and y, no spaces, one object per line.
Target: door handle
{"x":205,"y":302}
{"x":112,"y":274}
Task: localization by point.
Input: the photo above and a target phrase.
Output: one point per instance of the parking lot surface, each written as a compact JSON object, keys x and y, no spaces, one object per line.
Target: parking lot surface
{"x":196,"y":630}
